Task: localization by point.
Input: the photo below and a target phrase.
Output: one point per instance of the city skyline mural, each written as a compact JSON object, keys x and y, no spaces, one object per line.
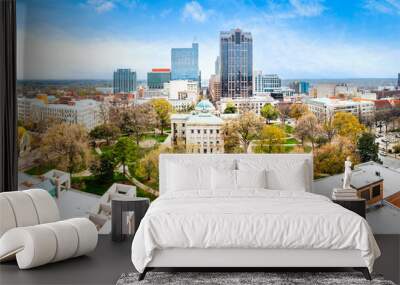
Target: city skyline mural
{"x":295,"y":39}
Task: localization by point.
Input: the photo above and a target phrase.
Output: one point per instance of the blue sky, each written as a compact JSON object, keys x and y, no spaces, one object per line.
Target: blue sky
{"x":70,"y":39}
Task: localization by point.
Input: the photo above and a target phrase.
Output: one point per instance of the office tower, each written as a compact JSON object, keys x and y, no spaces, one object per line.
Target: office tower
{"x":398,"y":80}
{"x":266,"y":82}
{"x":236,"y":59}
{"x":185,"y":63}
{"x":214,"y":87}
{"x":300,"y":87}
{"x":157,"y":77}
{"x":124,"y":81}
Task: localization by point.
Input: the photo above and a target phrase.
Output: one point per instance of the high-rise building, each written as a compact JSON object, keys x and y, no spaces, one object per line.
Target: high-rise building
{"x":124,"y":81}
{"x":236,"y":59}
{"x":214,"y":87}
{"x":157,"y":77}
{"x":300,"y":87}
{"x":398,"y":80}
{"x":266,"y":82}
{"x":185,"y":63}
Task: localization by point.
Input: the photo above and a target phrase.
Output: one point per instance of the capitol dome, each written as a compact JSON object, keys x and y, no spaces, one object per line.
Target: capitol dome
{"x":205,"y":106}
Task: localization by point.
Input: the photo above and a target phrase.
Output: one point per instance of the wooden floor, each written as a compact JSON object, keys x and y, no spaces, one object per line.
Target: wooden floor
{"x":110,"y":260}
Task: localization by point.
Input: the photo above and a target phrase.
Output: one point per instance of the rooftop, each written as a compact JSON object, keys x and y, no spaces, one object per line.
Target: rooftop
{"x":384,"y":219}
{"x":337,"y":102}
{"x":204,"y":119}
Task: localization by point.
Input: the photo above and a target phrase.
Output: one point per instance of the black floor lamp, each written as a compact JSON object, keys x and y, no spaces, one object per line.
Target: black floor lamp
{"x":8,"y":100}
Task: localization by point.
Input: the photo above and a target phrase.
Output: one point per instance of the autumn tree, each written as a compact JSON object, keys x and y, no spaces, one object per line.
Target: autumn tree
{"x":148,"y":166}
{"x":328,"y":129}
{"x":269,"y":112}
{"x":163,"y":111}
{"x":66,"y":146}
{"x":137,"y":120}
{"x":247,"y":127}
{"x":272,"y":140}
{"x":231,"y":137}
{"x":284,"y":112}
{"x":125,"y":152}
{"x":367,"y":148}
{"x":308,"y":128}
{"x":230,"y":108}
{"x":107,"y":132}
{"x":329,"y":159}
{"x":297,"y":110}
{"x":347,"y":125}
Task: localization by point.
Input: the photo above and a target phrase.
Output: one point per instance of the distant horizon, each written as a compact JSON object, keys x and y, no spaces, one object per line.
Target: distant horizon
{"x":305,"y":79}
{"x":77,"y":39}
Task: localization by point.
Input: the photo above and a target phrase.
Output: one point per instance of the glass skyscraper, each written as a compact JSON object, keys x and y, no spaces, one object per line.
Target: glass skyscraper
{"x":398,"y":80}
{"x":185,"y":63}
{"x":236,"y":63}
{"x":124,"y":81}
{"x":157,"y":77}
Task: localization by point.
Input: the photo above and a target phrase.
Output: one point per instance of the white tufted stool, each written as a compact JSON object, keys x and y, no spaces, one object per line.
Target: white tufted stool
{"x":31,"y":232}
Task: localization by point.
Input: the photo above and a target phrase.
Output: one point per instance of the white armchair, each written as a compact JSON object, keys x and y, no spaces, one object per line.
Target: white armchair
{"x":31,"y":231}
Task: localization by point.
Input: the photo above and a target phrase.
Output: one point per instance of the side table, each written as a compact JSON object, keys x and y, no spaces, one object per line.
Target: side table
{"x":119,"y":207}
{"x":357,"y":205}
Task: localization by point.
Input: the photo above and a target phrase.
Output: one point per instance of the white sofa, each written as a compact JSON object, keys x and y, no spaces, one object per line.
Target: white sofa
{"x":31,"y":231}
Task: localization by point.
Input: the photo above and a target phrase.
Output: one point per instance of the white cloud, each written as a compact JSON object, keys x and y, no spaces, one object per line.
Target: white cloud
{"x":193,"y":10}
{"x":293,"y":9}
{"x":383,"y":6}
{"x":102,"y":6}
{"x":308,"y":8}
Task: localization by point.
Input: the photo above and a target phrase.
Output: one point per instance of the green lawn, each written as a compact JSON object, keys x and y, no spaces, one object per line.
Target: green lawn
{"x":292,"y":141}
{"x":159,"y":138}
{"x":92,"y":185}
{"x":289,"y":129}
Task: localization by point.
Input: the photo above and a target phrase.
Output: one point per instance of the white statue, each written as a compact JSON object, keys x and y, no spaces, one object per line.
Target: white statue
{"x":347,"y":174}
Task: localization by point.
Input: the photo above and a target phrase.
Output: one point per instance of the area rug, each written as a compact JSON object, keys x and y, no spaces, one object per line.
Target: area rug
{"x":243,"y":278}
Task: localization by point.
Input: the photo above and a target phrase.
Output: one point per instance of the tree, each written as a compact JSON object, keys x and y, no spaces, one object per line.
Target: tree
{"x":269,"y":112}
{"x":105,"y":131}
{"x":163,"y":110}
{"x":347,"y":125}
{"x":367,"y":148}
{"x":230,"y":108}
{"x":103,"y":168}
{"x":328,"y":129}
{"x":307,"y":127}
{"x":247,"y":126}
{"x":231,"y":137}
{"x":148,"y":165}
{"x":297,"y":110}
{"x":66,"y":146}
{"x":329,"y":159}
{"x":125,"y":151}
{"x":137,"y":120}
{"x":272,"y":140}
{"x":284,"y":111}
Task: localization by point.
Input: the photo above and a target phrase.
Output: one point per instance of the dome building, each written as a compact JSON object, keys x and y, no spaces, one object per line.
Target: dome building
{"x":200,"y":131}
